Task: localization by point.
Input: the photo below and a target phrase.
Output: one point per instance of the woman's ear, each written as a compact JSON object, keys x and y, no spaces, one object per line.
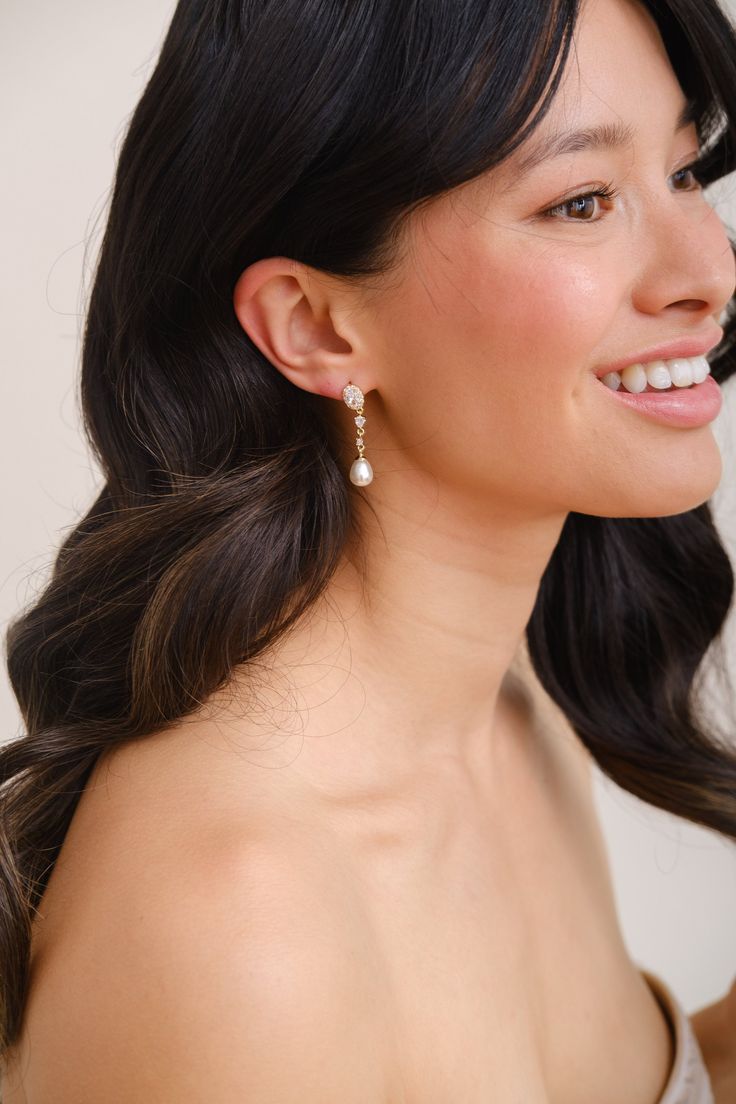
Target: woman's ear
{"x":294,"y":315}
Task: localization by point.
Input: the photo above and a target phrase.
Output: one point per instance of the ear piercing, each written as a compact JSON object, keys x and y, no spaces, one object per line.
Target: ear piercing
{"x":361,"y":472}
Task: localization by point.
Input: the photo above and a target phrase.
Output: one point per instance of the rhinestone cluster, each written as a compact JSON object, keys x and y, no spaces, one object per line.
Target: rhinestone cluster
{"x":353,"y":396}
{"x":361,"y":472}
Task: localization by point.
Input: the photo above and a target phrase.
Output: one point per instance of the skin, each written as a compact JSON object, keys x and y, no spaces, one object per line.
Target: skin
{"x":380,"y":776}
{"x":715,"y":1029}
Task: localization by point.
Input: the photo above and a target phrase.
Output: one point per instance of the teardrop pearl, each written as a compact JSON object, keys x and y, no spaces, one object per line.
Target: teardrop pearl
{"x":361,"y":472}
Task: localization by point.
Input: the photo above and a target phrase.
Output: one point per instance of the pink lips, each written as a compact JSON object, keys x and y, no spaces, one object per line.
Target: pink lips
{"x":691,"y":346}
{"x":684,"y":406}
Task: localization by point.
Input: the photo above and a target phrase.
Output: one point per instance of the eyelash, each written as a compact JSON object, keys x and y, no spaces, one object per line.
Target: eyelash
{"x":610,"y":192}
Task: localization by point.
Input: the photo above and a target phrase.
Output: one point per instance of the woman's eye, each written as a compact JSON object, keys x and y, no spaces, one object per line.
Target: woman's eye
{"x":586,"y":207}
{"x":689,"y":177}
{"x":580,"y":208}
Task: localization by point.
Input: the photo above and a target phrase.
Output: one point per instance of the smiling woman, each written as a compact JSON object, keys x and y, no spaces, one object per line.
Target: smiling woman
{"x":303,"y":809}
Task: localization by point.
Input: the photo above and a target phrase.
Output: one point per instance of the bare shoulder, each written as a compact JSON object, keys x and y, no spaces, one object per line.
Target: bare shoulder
{"x":221,"y":969}
{"x":256,"y":967}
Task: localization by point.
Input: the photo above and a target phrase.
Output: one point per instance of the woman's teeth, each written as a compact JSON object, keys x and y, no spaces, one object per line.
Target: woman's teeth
{"x":659,"y":375}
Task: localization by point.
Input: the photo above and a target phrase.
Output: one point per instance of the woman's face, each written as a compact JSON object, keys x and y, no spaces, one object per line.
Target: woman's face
{"x":511,"y":298}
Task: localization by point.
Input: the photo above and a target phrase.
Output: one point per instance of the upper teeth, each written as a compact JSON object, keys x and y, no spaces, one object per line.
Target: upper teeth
{"x":660,"y":374}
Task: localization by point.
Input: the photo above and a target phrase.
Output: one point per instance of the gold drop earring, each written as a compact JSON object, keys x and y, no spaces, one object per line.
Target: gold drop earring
{"x":361,"y":472}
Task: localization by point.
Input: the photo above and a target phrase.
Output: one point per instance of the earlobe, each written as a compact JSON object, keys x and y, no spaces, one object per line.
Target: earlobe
{"x":285,"y":309}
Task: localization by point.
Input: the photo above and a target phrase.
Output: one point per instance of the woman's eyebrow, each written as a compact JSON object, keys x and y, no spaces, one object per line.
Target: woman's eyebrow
{"x":602,"y":135}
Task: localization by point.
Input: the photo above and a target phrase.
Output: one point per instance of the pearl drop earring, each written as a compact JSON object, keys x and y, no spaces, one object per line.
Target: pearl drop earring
{"x":361,"y":472}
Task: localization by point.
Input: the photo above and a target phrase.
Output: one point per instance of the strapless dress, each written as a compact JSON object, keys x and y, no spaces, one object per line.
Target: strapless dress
{"x":688,"y":1082}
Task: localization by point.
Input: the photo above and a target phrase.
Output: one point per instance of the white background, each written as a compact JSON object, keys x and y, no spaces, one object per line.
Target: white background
{"x":70,"y":75}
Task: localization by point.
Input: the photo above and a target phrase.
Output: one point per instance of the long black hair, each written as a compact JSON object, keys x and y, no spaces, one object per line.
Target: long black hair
{"x":311,"y":129}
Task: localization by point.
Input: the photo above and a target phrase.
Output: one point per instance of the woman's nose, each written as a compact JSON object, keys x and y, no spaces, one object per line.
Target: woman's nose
{"x":689,"y":264}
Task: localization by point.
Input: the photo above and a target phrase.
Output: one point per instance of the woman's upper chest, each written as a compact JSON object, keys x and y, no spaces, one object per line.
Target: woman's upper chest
{"x":487,"y":955}
{"x":505,"y":973}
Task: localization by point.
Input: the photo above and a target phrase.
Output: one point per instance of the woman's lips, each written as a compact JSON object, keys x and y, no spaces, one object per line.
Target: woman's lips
{"x":690,"y":346}
{"x":686,"y":407}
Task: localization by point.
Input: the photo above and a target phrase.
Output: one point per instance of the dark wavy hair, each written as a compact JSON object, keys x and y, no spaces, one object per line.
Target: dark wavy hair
{"x":312,"y":129}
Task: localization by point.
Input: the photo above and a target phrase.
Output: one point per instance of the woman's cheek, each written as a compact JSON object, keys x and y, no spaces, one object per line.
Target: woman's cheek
{"x":541,"y":325}
{"x":508,"y":314}
{"x":563,"y":296}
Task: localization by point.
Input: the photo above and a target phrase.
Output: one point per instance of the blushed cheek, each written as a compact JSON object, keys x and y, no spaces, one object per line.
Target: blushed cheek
{"x":501,"y":340}
{"x":541,"y":317}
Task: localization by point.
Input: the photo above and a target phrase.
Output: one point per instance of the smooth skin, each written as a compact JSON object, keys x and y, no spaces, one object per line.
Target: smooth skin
{"x":372,"y":872}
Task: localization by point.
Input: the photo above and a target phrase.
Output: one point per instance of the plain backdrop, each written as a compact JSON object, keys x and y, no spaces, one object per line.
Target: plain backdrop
{"x":70,"y":75}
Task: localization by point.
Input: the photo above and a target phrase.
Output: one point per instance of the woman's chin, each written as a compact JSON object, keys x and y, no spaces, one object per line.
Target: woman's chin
{"x":675,"y":492}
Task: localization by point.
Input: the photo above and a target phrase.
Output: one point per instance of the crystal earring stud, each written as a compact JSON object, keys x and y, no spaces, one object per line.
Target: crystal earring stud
{"x":361,"y":472}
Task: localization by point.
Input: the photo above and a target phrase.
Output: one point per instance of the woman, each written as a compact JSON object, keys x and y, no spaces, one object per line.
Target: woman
{"x":395,"y":363}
